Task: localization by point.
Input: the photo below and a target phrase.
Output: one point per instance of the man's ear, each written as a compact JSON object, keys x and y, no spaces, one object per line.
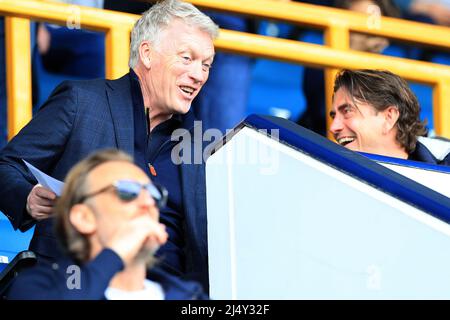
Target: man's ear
{"x":145,"y":50}
{"x":83,"y":219}
{"x":391,"y":115}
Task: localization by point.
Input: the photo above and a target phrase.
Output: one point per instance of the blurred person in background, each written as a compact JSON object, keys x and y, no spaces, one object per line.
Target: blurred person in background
{"x":66,"y":52}
{"x":429,"y":11}
{"x":70,"y":50}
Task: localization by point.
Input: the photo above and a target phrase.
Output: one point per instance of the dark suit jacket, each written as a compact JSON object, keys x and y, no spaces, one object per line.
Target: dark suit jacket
{"x":50,"y":281}
{"x":79,"y":118}
{"x":422,"y":154}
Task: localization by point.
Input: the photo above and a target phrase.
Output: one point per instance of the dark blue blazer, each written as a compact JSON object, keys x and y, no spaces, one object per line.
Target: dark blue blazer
{"x":422,"y":154}
{"x":57,"y":281}
{"x":79,"y":118}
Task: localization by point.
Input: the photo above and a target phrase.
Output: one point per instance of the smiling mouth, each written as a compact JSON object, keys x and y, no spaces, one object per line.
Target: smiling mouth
{"x":188,"y":90}
{"x":345,"y":140}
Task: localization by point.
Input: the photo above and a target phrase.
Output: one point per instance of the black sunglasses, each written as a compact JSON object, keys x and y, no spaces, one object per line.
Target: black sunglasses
{"x":129,"y":190}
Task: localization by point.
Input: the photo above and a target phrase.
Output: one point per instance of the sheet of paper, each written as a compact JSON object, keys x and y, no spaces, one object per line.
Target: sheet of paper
{"x":45,"y":180}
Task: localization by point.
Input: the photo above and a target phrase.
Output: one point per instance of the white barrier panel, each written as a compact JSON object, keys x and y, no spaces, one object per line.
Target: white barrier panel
{"x":284,"y":225}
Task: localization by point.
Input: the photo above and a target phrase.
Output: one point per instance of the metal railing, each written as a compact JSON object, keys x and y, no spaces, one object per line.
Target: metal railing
{"x":117,"y":28}
{"x":332,"y":56}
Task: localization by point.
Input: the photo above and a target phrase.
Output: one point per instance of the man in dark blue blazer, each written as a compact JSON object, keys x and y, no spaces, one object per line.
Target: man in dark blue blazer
{"x":107,"y":223}
{"x":171,"y":53}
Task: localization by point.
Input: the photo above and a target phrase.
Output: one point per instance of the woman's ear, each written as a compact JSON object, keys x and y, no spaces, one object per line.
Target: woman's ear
{"x":145,"y":50}
{"x":83,"y":219}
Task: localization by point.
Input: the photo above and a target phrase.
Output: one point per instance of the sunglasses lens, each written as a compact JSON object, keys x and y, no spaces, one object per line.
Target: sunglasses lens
{"x":128,"y":190}
{"x":158,"y":193}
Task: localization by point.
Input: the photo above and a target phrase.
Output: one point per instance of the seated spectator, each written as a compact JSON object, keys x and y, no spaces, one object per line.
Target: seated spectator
{"x":107,"y":224}
{"x":375,"y":112}
{"x":68,"y":49}
{"x":66,"y":52}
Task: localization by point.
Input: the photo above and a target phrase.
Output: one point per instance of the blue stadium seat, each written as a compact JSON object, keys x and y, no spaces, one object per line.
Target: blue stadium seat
{"x":276,"y":89}
{"x":12,"y":242}
{"x":78,"y":53}
{"x":424,"y":94}
{"x":442,"y":58}
{"x":276,"y":86}
{"x":45,"y":82}
{"x":312,"y":36}
{"x":9,"y":271}
{"x":395,"y":50}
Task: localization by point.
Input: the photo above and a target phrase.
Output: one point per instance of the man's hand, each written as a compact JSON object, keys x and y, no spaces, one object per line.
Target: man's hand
{"x":140,"y":232}
{"x":40,"y":202}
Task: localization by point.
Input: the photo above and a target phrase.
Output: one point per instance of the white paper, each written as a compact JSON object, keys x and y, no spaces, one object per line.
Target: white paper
{"x":45,"y":180}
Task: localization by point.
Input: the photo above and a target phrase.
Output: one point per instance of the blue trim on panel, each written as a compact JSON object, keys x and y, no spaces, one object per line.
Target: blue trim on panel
{"x":354,"y":164}
{"x":407,"y":163}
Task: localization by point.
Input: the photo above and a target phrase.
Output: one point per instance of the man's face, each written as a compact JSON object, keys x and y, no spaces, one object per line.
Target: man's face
{"x":359,"y":128}
{"x":179,"y":66}
{"x":111,"y":213}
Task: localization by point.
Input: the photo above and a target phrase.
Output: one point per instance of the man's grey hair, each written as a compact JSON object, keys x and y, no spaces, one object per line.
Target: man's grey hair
{"x":159,"y":16}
